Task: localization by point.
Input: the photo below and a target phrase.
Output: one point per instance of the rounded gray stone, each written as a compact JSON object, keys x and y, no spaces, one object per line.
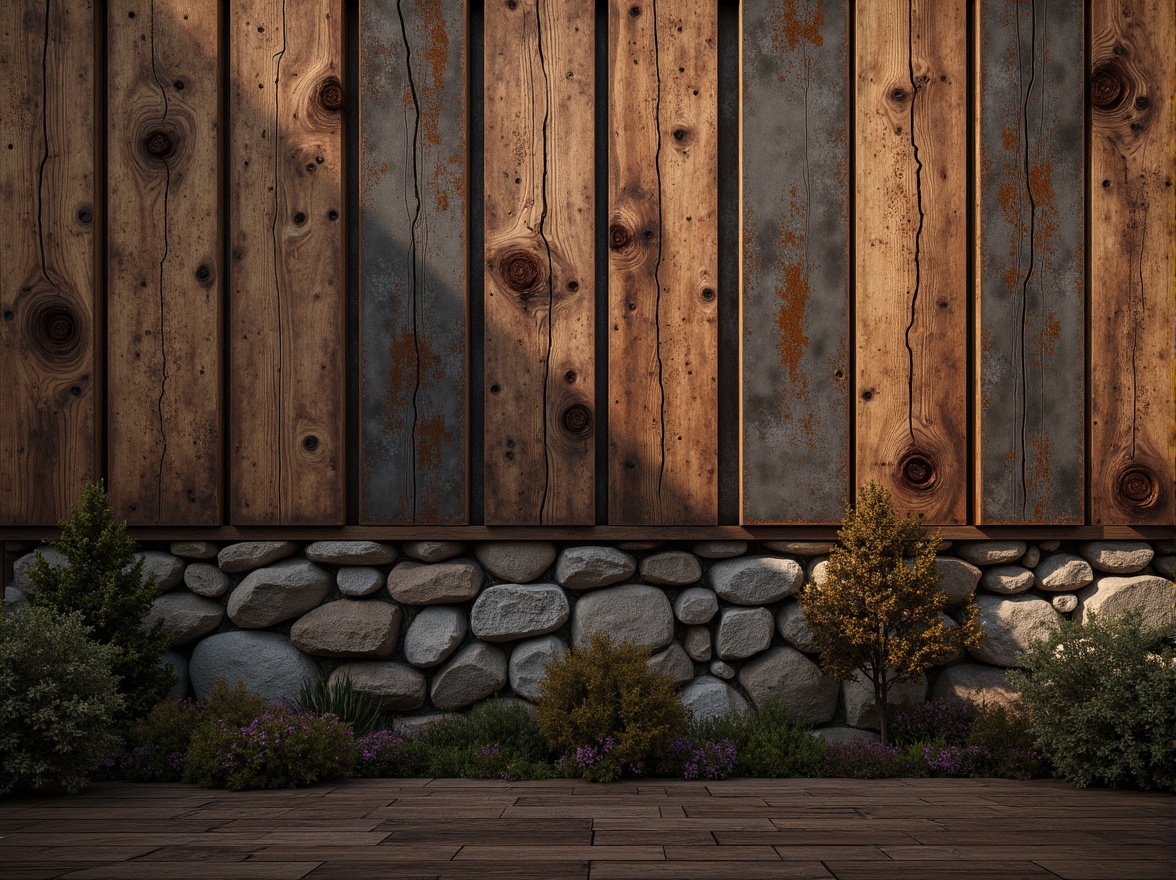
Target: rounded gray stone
{"x":799,"y":548}
{"x":1011,"y":625}
{"x":788,"y":674}
{"x":794,"y":629}
{"x":434,"y":634}
{"x":816,"y":571}
{"x":707,"y":697}
{"x":990,"y":552}
{"x":194,"y":549}
{"x":264,"y":662}
{"x":278,"y":592}
{"x":1117,"y":557}
{"x":637,"y":614}
{"x":1048,"y":546}
{"x":638,"y":546}
{"x":756,"y":580}
{"x":698,"y":643}
{"x":249,"y":555}
{"x":674,"y":663}
{"x":205,"y":579}
{"x":528,"y":664}
{"x":20,"y":568}
{"x":1032,"y":557}
{"x":178,"y":664}
{"x":696,"y":605}
{"x":14,"y":600}
{"x":722,"y":669}
{"x":719,"y":549}
{"x":442,"y":583}
{"x":975,"y":683}
{"x":857,"y":695}
{"x":397,"y":687}
{"x":743,"y":632}
{"x":472,"y":674}
{"x":357,"y":581}
{"x":517,"y":561}
{"x":168,"y":569}
{"x":674,"y":568}
{"x":508,"y":612}
{"x":1007,"y":580}
{"x":957,"y":578}
{"x":1063,"y":603}
{"x":1062,"y":572}
{"x":587,"y":568}
{"x":1153,"y":597}
{"x":1165,"y":566}
{"x":845,"y":735}
{"x":432,"y":551}
{"x":351,"y":553}
{"x":188,"y":617}
{"x":348,"y":628}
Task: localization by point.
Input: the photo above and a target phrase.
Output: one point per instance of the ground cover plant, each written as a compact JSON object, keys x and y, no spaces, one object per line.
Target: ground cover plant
{"x":770,"y":742}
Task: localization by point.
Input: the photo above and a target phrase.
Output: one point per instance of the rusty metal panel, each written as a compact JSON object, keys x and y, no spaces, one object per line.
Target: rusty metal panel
{"x":795,"y":261}
{"x":1031,"y":404}
{"x":413,"y":275}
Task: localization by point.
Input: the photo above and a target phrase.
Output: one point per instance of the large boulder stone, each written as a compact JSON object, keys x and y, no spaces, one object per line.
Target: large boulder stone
{"x":395,"y":686}
{"x":517,"y":561}
{"x":264,"y":662}
{"x":20,"y":568}
{"x":442,"y":583}
{"x":1007,"y":580}
{"x":434,"y":634}
{"x":178,"y":664}
{"x":528,"y":664}
{"x":194,"y":549}
{"x":719,"y":549}
{"x":187,"y":617}
{"x":351,"y":553}
{"x":168,"y":569}
{"x":794,"y":629}
{"x":206,"y":579}
{"x":1062,"y":573}
{"x":279,"y":592}
{"x":357,"y":581}
{"x":788,"y":674}
{"x":1011,"y":625}
{"x":674,"y":663}
{"x":799,"y":548}
{"x":756,"y":580}
{"x":1117,"y":557}
{"x":1151,"y":596}
{"x":674,"y":568}
{"x":632,"y":613}
{"x":695,"y":606}
{"x":474,"y":673}
{"x":990,"y":552}
{"x":509,"y":612}
{"x":249,"y":555}
{"x":743,"y":632}
{"x":707,"y":697}
{"x":858,"y":695}
{"x":957,"y":578}
{"x":976,"y":684}
{"x":14,"y":600}
{"x":698,"y":643}
{"x":348,"y":628}
{"x":586,"y":568}
{"x":432,"y":551}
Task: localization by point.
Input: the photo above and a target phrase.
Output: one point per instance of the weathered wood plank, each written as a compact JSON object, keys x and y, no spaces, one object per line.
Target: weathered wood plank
{"x":413,"y":276}
{"x":539,"y":274}
{"x":287,"y":293}
{"x":1132,"y":91}
{"x":662,"y":236}
{"x":48,"y":278}
{"x":1031,"y":374}
{"x":911,"y":257}
{"x":795,"y":261}
{"x":164,"y":271}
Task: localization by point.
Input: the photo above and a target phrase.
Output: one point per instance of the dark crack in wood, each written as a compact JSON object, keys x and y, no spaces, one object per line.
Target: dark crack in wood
{"x":919,"y":229}
{"x":277,"y":58}
{"x":162,"y":307}
{"x":550,"y":273}
{"x":45,"y":142}
{"x":661,"y":387}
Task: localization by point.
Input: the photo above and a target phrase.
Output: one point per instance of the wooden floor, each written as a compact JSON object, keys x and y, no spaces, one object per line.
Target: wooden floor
{"x":743,"y":829}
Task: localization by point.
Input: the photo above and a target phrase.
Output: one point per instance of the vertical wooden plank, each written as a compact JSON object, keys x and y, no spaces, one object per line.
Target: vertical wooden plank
{"x":287,"y":305}
{"x":413,"y":277}
{"x":911,"y":258}
{"x":1132,"y":90}
{"x":662,"y":238}
{"x":539,"y":92}
{"x":795,"y":260}
{"x":164,"y":271}
{"x":48,"y":282}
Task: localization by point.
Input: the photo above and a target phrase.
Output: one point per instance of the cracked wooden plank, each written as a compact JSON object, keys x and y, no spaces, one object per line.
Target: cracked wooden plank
{"x":1132,"y":92}
{"x":413,"y":276}
{"x":164,"y":269}
{"x":663,"y":243}
{"x":287,"y":299}
{"x":49,"y":284}
{"x":539,"y":270}
{"x":911,"y":258}
{"x":795,"y":261}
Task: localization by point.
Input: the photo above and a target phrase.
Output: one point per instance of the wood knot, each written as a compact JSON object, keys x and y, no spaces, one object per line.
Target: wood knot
{"x":577,"y":419}
{"x":708,"y":294}
{"x":203,"y":274}
{"x":85,"y":215}
{"x":634,"y":11}
{"x":310,"y":443}
{"x":521,"y":271}
{"x":1138,"y":488}
{"x":917,"y":472}
{"x":898,"y":95}
{"x":619,"y":237}
{"x":158,"y":144}
{"x":56,"y":330}
{"x":331,"y":94}
{"x":1108,"y":85}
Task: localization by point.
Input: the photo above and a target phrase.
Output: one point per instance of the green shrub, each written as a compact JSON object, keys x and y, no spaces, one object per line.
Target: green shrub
{"x":871,"y":759}
{"x":236,"y":705}
{"x":1007,"y":734}
{"x":498,"y":739}
{"x":604,"y":708}
{"x":58,"y":701}
{"x":341,"y":699}
{"x":1100,"y":697}
{"x":772,"y":742}
{"x":158,"y":744}
{"x":946,"y":722}
{"x":104,"y":583}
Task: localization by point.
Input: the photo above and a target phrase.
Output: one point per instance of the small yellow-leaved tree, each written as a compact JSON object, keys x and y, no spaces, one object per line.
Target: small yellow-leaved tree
{"x":879,"y":610}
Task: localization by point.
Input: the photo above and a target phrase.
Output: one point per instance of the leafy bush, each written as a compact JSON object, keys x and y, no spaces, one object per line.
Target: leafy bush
{"x":382,"y":754}
{"x":236,"y":705}
{"x":1100,"y":697}
{"x":58,"y":701}
{"x":936,"y":721}
{"x":341,"y":699}
{"x":605,"y":697}
{"x":497,"y":740}
{"x":772,"y":742}
{"x":871,"y":759}
{"x":711,"y":760}
{"x":158,"y":744}
{"x":1007,"y":734}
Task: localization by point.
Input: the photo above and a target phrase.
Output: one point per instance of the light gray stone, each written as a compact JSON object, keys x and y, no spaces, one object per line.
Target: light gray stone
{"x":990,"y":552}
{"x":788,"y":674}
{"x":698,"y":643}
{"x":281,"y":591}
{"x":357,"y":581}
{"x":799,"y":548}
{"x":586,"y":568}
{"x":1063,"y":603}
{"x":674,"y":663}
{"x":722,"y":669}
{"x":756,"y":580}
{"x":1007,"y":580}
{"x":1062,"y":572}
{"x":674,"y":568}
{"x":845,"y":735}
{"x":975,"y":683}
{"x":432,"y":551}
{"x":20,"y":568}
{"x":858,"y":696}
{"x":632,"y":613}
{"x":1165,"y":566}
{"x":528,"y":664}
{"x":1153,"y":597}
{"x":434,"y":634}
{"x":410,"y":726}
{"x":14,"y":600}
{"x":517,"y":561}
{"x":351,"y":553}
{"x":1048,"y":546}
{"x":188,"y":617}
{"x":397,"y":687}
{"x":957,"y":578}
{"x":168,"y":569}
{"x":205,"y":579}
{"x":474,"y":673}
{"x":816,"y":571}
{"x":794,"y":629}
{"x":264,"y":662}
{"x":194,"y":549}
{"x":442,"y":583}
{"x":509,"y":612}
{"x":249,"y":555}
{"x":1032,"y":557}
{"x":719,"y":549}
{"x":743,"y":632}
{"x":1117,"y":557}
{"x":696,"y":605}
{"x":1011,"y":625}
{"x":178,"y":664}
{"x":348,"y":628}
{"x":707,"y":697}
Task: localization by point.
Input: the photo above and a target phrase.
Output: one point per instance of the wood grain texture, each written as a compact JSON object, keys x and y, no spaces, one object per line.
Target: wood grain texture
{"x":911,"y":257}
{"x":795,"y":336}
{"x":48,"y":280}
{"x":539,"y":269}
{"x":164,"y":270}
{"x":1029,"y":259}
{"x":286,"y":233}
{"x":662,"y":241}
{"x":1132,"y":92}
{"x":413,"y":281}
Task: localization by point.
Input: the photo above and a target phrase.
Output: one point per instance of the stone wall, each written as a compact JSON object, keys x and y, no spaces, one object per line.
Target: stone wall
{"x":431,"y":627}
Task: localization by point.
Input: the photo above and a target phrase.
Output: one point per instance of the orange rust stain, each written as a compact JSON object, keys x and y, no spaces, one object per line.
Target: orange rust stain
{"x":1038,"y":479}
{"x":1010,"y":136}
{"x":795,"y":26}
{"x":1045,"y":338}
{"x":1041,"y":186}
{"x":437,"y":57}
{"x":432,"y":439}
{"x":403,"y":376}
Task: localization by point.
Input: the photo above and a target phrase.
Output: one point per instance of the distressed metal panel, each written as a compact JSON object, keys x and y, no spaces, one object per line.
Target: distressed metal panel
{"x":795,"y":261}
